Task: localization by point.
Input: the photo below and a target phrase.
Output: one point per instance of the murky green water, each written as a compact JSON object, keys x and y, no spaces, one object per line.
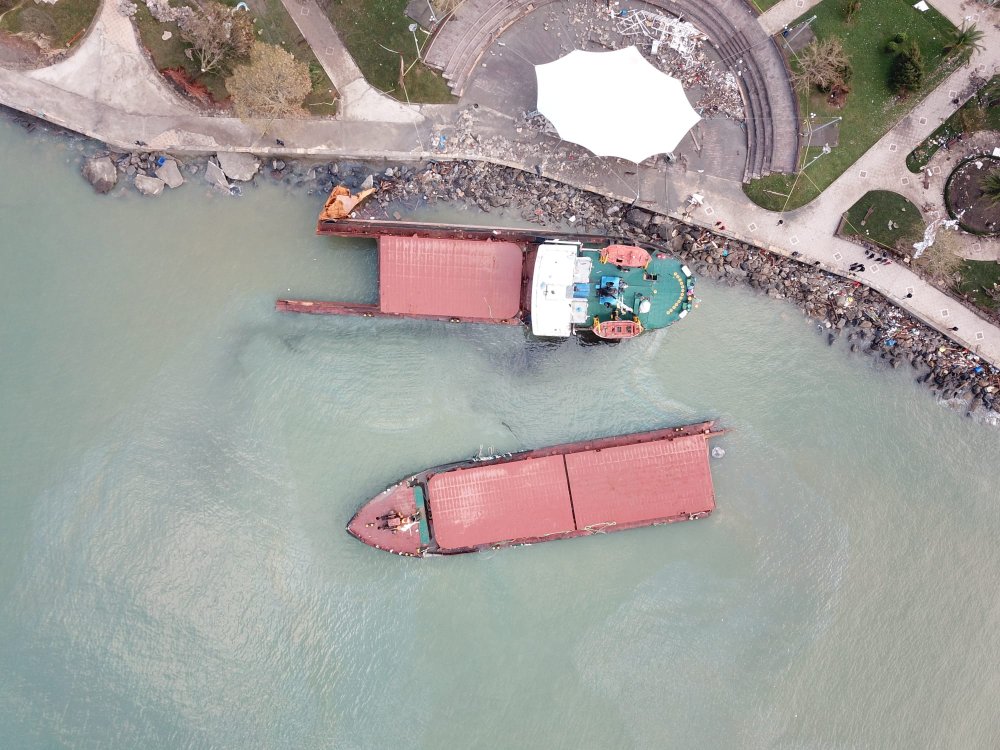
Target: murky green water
{"x":177,"y":463}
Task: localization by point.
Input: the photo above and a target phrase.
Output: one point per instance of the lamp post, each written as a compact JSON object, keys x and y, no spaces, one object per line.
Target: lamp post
{"x":826,"y":150}
{"x":416,"y":45}
{"x":802,"y":28}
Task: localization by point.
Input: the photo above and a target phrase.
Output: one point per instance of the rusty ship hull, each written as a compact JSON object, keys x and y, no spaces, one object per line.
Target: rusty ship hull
{"x":560,"y":492}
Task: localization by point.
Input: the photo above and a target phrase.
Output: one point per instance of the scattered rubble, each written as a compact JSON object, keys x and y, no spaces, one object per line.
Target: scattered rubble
{"x":843,"y":309}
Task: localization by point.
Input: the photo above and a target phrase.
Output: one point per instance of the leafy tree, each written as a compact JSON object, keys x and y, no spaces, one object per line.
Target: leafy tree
{"x":991,"y":186}
{"x":964,"y":42}
{"x":272,"y":84}
{"x":907,"y":71}
{"x":218,"y":34}
{"x":824,"y":64}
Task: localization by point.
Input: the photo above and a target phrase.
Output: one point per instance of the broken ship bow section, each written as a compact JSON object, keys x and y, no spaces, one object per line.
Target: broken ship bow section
{"x":564,"y":491}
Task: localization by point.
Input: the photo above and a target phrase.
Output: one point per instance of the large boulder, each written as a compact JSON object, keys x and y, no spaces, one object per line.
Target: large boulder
{"x":238,"y":166}
{"x":170,"y":174}
{"x":639,"y":217}
{"x":216,"y":177}
{"x":101,"y":173}
{"x":148,"y":185}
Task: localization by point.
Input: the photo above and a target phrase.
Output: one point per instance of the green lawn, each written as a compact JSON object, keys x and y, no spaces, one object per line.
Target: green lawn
{"x":275,"y":27}
{"x":376,"y":32}
{"x":871,"y":109}
{"x":763,"y":5}
{"x":987,"y":101}
{"x":60,"y":23}
{"x":885,"y":207}
{"x":978,"y":275}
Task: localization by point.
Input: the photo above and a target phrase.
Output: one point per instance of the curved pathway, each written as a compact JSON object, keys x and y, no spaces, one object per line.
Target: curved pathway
{"x":109,"y":67}
{"x":359,"y":100}
{"x":808,"y":231}
{"x":771,"y":110}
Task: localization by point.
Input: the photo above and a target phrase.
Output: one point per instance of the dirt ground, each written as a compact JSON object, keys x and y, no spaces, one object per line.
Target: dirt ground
{"x":17,"y":52}
{"x":964,"y":194}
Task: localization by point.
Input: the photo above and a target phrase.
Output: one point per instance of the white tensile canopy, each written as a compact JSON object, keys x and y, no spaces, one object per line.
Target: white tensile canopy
{"x":614,"y":103}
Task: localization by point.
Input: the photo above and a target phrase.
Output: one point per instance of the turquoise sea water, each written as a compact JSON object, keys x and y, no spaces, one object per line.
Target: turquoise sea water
{"x":178,"y":461}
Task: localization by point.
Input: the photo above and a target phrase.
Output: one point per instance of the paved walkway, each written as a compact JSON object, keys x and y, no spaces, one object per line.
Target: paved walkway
{"x":109,"y":67}
{"x":358,"y":99}
{"x":131,"y":103}
{"x":808,"y":230}
{"x":781,"y":15}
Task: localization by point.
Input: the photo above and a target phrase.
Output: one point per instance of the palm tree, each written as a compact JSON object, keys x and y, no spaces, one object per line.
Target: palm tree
{"x":991,"y":186}
{"x":965,"y":42}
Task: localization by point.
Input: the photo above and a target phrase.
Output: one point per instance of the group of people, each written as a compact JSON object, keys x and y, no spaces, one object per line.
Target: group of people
{"x":871,"y":255}
{"x":877,"y":257}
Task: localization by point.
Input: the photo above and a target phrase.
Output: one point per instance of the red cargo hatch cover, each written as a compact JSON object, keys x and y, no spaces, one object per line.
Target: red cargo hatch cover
{"x":449,"y":278}
{"x":486,"y":504}
{"x":641,"y":483}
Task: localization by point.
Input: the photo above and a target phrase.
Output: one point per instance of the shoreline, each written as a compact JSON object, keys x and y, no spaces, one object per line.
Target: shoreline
{"x":842,"y":307}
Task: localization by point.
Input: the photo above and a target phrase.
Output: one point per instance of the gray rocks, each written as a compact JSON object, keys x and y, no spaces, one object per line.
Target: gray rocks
{"x":369,"y":183}
{"x":639,"y":217}
{"x":170,"y":174}
{"x":101,"y":173}
{"x":148,"y":185}
{"x":238,"y":166}
{"x":215,"y":177}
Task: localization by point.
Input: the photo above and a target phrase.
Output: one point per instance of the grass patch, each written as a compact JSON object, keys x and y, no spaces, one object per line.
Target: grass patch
{"x":277,"y":27}
{"x":871,"y":108}
{"x":885,"y":207}
{"x":978,"y":276}
{"x":60,"y":23}
{"x":764,"y":5}
{"x":986,"y":100}
{"x":274,"y":26}
{"x":369,"y":30}
{"x":169,"y":53}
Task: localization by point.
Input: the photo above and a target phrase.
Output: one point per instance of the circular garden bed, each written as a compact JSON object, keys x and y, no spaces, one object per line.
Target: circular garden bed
{"x":966,"y":200}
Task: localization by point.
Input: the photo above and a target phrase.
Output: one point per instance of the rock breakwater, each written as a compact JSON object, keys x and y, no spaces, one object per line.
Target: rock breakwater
{"x":843,"y":308}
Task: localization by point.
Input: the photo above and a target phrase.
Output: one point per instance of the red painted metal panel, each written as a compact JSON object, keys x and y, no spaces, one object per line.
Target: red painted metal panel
{"x":488,"y":504}
{"x":633,"y":484}
{"x":454,"y":278}
{"x":373,"y":525}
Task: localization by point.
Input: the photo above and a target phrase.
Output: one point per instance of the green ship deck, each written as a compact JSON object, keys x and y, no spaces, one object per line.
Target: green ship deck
{"x":662,"y":282}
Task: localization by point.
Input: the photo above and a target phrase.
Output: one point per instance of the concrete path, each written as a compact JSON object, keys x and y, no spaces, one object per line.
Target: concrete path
{"x":782,"y":14}
{"x":109,"y":67}
{"x":358,"y":99}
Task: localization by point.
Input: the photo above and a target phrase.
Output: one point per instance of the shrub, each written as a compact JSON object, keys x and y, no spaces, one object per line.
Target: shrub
{"x":907,"y":71}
